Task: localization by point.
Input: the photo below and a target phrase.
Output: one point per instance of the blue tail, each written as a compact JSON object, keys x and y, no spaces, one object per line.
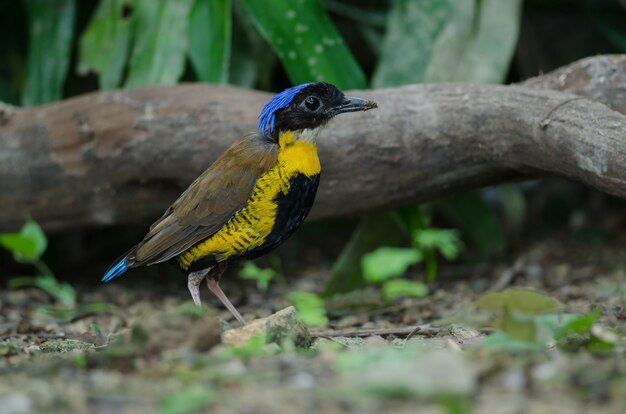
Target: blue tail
{"x":115,"y":270}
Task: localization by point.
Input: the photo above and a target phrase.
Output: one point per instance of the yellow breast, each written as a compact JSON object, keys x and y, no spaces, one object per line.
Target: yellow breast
{"x":249,"y":227}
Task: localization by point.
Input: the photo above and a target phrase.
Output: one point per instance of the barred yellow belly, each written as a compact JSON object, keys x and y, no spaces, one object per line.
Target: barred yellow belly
{"x":280,"y":200}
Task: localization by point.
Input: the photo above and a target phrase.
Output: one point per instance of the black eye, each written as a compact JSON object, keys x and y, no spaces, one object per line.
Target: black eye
{"x":312,"y":103}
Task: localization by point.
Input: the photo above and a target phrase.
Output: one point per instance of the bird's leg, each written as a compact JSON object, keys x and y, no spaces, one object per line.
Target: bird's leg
{"x":193,"y":284}
{"x":213,"y":281}
{"x":214,"y":286}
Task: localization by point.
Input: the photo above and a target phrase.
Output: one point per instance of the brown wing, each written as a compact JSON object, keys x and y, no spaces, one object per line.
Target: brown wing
{"x":208,"y":203}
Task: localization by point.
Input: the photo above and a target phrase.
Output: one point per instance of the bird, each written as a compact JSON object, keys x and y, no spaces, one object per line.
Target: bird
{"x":251,"y":199}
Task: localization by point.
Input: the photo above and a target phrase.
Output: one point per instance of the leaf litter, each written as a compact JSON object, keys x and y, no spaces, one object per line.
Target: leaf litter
{"x":438,"y":353}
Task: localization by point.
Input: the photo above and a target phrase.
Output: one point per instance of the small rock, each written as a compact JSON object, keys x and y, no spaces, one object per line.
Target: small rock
{"x":276,"y":328}
{"x":451,"y":345}
{"x":64,"y":345}
{"x":459,"y":332}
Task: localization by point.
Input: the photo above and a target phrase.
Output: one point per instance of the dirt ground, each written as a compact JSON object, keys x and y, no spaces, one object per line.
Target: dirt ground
{"x":153,"y":351}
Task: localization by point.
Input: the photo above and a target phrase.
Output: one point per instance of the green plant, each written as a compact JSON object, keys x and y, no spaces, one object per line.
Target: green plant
{"x":310,"y":308}
{"x":386,"y":263}
{"x":250,"y":271}
{"x":527,"y":320}
{"x":391,"y":262}
{"x":27,"y":246}
{"x":61,"y":292}
{"x":429,"y":240}
{"x":134,"y":43}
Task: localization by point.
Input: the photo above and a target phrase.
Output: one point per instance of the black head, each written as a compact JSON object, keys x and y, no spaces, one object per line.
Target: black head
{"x":306,"y":106}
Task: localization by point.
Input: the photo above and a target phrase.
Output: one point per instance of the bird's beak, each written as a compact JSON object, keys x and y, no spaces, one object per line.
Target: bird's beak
{"x":352,"y":104}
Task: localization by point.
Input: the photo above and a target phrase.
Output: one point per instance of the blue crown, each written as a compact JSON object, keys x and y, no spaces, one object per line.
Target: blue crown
{"x":279,"y":101}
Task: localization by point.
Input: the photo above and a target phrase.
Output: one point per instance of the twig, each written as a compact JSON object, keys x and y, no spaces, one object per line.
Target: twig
{"x":33,"y":334}
{"x":546,"y":120}
{"x":507,"y":276}
{"x":425,"y":330}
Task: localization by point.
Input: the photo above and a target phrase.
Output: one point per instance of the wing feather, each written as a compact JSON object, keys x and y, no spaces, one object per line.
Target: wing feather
{"x":208,"y":203}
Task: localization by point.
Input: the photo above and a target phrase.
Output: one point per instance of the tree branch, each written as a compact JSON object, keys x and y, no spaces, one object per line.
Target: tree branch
{"x":122,"y":157}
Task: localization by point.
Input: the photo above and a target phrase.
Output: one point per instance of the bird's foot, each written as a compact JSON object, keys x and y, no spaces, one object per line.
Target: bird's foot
{"x":214,"y":286}
{"x":193,"y":284}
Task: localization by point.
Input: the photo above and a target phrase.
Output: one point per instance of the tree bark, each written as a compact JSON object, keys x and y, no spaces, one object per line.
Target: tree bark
{"x":123,"y":156}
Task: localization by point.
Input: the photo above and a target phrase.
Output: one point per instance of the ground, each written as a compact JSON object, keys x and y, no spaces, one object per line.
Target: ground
{"x":155,"y":352}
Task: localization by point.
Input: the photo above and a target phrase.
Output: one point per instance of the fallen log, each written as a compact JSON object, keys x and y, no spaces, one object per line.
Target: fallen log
{"x":120,"y":157}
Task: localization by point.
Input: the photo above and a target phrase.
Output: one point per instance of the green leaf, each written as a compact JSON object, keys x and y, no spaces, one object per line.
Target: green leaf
{"x":158,"y":56}
{"x":251,"y":271}
{"x":95,"y":329}
{"x":252,"y":61}
{"x":51,"y":25}
{"x":393,"y":289}
{"x":581,"y":324}
{"x":412,"y":29}
{"x":518,"y":326}
{"x":105,"y":43}
{"x":517,"y":300}
{"x":501,"y":341}
{"x":448,"y":40}
{"x":388,"y":262}
{"x":210,"y":39}
{"x":33,"y":231}
{"x":28,"y":245}
{"x":583,"y":331}
{"x":306,"y":41}
{"x":254,"y":347}
{"x":22,"y":247}
{"x":478,"y":42}
{"x":446,"y":241}
{"x":310,"y":308}
{"x":62,"y":292}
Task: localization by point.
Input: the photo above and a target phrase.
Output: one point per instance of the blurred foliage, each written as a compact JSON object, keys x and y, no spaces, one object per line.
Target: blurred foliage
{"x":146,"y":42}
{"x":373,"y":231}
{"x":448,"y":40}
{"x":210,"y":39}
{"x":379,"y":244}
{"x":27,"y":246}
{"x":105,"y":43}
{"x":51,"y":27}
{"x":530,"y":320}
{"x":159,"y":43}
{"x":310,"y":308}
{"x":379,"y":373}
{"x":401,"y":288}
{"x":306,"y":42}
{"x":388,"y":262}
{"x":250,"y":271}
